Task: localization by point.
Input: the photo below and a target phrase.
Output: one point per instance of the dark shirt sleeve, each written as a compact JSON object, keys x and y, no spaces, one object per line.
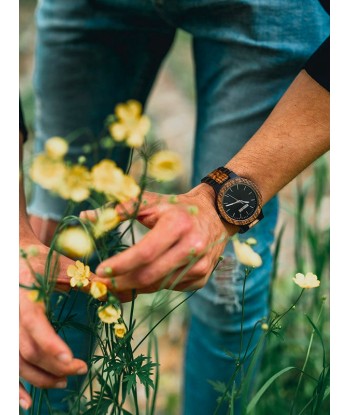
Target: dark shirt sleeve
{"x":318,"y":66}
{"x":22,"y":125}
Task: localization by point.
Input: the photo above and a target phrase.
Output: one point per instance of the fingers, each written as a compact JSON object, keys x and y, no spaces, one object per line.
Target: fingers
{"x":38,"y":377}
{"x":42,"y":347}
{"x":25,"y":400}
{"x":127,"y":209}
{"x":162,"y":237}
{"x":176,"y":269}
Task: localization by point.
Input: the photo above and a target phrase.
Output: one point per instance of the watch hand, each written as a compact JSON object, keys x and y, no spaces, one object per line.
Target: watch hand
{"x":230,"y":204}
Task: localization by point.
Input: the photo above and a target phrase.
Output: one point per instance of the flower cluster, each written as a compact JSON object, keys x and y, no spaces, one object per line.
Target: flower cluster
{"x":110,"y":312}
{"x":129,"y":125}
{"x":75,"y":181}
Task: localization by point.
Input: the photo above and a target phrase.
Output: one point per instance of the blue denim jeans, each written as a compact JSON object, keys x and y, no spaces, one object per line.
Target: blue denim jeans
{"x":92,"y":54}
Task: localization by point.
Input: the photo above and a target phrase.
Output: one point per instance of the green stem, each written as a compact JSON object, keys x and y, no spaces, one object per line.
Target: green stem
{"x":305,"y":361}
{"x":156,"y":381}
{"x":128,"y":167}
{"x":40,"y":403}
{"x":274,"y":323}
{"x":132,"y":308}
{"x":163,"y":318}
{"x":33,"y":392}
{"x":247,"y":272}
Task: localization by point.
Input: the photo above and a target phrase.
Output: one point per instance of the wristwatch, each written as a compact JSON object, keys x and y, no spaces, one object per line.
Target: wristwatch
{"x":238,"y":200}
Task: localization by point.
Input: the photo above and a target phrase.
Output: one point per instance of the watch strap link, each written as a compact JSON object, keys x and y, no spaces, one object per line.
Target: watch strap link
{"x":218,"y":177}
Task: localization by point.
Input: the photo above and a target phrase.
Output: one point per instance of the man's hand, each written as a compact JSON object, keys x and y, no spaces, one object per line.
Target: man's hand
{"x":45,"y":360}
{"x":186,"y":240}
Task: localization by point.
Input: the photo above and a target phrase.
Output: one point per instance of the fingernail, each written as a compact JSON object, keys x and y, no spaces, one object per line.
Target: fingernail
{"x":82,"y":370}
{"x":24,"y":404}
{"x":64,"y":357}
{"x":60,"y":385}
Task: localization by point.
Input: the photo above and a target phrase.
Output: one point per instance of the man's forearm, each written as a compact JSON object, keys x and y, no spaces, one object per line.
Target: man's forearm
{"x":294,"y":135}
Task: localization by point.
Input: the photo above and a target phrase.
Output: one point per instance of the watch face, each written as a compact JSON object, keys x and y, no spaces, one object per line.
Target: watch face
{"x":238,"y":201}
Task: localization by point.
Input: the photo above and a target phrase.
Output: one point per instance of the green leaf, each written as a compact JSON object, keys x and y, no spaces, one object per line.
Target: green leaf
{"x":218,"y":386}
{"x":320,"y":337}
{"x":263,"y":389}
{"x":100,"y":408}
{"x":130,"y":380}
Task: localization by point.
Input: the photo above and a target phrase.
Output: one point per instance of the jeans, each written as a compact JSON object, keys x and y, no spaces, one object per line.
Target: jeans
{"x":92,"y":54}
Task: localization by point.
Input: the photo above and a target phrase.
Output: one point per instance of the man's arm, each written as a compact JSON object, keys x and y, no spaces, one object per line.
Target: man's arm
{"x":294,"y":135}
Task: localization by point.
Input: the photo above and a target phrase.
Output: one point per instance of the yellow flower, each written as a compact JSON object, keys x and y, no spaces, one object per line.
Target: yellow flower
{"x":165,"y":166}
{"x":79,"y":274}
{"x":107,"y":177}
{"x":76,"y":185}
{"x":75,"y":242}
{"x":48,"y":173}
{"x":98,"y":289}
{"x":108,"y":219}
{"x":306,"y":281}
{"x":245,"y":254}
{"x":109,"y":314}
{"x":129,"y":190}
{"x":56,"y":148}
{"x":120,"y":330}
{"x":131,"y":126}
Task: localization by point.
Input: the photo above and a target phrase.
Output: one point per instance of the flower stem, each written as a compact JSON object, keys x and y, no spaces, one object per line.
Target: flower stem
{"x":305,"y":361}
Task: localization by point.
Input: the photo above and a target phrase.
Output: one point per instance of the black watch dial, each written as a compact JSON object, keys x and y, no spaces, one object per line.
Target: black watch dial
{"x":239,"y":201}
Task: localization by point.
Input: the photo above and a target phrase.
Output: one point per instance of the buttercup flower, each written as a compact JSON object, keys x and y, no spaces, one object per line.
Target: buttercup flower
{"x":56,"y":148}
{"x":131,"y":126}
{"x":75,"y":242}
{"x":245,"y":254}
{"x":79,"y":274}
{"x":120,"y":330}
{"x":76,"y":185}
{"x":107,"y":177}
{"x":109,"y":314}
{"x":129,"y":190}
{"x":98,"y":289}
{"x":165,"y":166}
{"x":107,"y":219}
{"x":306,"y":281}
{"x":48,"y":173}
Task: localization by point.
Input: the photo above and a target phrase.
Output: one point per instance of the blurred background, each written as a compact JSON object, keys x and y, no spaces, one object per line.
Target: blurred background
{"x":303,"y":232}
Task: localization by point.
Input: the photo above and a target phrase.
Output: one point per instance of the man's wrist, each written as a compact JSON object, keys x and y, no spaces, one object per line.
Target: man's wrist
{"x":205,"y":195}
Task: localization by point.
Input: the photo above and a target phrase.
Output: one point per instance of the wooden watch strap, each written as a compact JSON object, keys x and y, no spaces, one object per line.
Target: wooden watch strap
{"x":217,"y":176}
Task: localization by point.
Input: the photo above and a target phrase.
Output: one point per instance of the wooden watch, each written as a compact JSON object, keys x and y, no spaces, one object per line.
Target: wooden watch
{"x":238,"y":200}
